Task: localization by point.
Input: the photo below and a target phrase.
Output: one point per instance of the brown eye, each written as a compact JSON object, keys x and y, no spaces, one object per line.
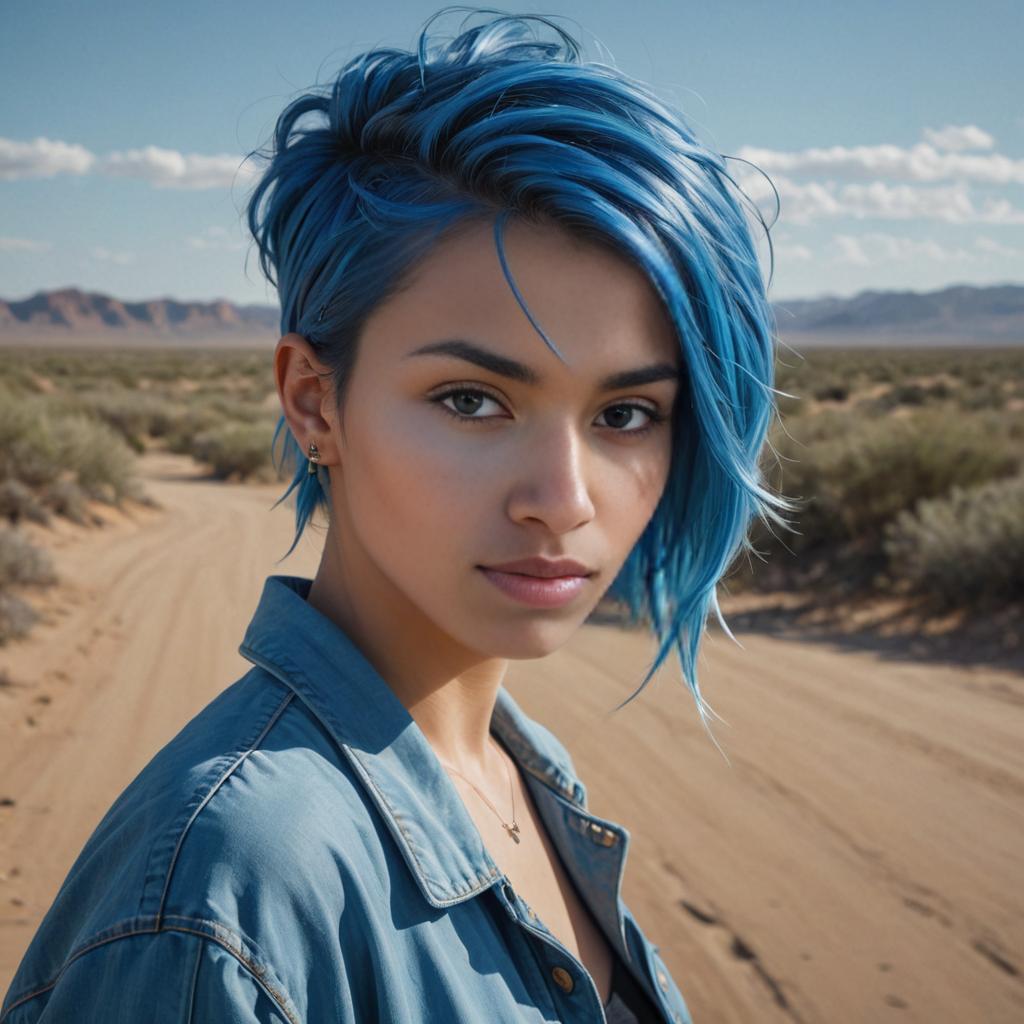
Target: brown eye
{"x":621,"y":415}
{"x":466,"y":402}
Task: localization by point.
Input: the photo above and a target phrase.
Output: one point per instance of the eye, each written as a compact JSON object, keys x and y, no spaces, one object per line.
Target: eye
{"x":626,"y":410}
{"x":468,"y":401}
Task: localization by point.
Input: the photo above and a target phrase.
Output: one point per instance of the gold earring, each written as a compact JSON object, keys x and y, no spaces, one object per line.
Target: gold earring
{"x":314,"y":456}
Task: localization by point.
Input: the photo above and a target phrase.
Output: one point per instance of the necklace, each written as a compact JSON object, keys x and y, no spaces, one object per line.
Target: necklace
{"x":513,"y":829}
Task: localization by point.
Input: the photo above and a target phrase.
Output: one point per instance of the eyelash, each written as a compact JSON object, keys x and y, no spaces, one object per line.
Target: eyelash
{"x":655,"y":417}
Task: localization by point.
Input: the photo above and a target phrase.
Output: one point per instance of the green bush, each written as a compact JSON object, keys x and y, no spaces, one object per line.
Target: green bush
{"x":42,"y":444}
{"x":130,"y":413}
{"x":965,"y":546}
{"x":237,"y":450}
{"x":19,"y":502}
{"x":30,"y":447}
{"x":17,"y":617}
{"x":67,"y":499}
{"x":855,"y":474}
{"x":22,"y":562}
{"x":101,"y":460}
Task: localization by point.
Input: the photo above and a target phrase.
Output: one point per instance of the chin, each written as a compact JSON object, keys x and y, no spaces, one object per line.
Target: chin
{"x":524,"y":641}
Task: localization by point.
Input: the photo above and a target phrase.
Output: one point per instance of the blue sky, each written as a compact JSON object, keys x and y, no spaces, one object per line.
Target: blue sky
{"x":894,"y":131}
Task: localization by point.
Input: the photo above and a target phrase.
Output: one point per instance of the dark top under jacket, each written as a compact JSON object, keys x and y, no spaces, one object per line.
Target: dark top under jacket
{"x":628,"y":1003}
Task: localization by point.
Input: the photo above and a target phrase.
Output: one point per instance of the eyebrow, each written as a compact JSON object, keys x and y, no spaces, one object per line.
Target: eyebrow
{"x":514,"y":370}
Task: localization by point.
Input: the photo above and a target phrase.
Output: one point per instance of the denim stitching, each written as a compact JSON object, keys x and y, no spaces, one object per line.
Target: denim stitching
{"x":255,"y":969}
{"x":261,"y":735}
{"x":195,"y":982}
{"x":286,"y":666}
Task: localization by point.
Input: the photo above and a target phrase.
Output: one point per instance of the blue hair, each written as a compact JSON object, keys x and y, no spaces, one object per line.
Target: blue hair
{"x":497,"y":123}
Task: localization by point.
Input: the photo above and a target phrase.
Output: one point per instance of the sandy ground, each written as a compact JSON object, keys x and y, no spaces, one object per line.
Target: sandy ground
{"x":857,"y":858}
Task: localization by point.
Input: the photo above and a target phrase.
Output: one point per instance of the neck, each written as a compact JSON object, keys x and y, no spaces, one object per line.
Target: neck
{"x":448,"y":690}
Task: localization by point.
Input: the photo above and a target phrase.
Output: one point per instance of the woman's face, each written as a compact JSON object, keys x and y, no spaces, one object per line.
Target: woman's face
{"x":446,"y":467}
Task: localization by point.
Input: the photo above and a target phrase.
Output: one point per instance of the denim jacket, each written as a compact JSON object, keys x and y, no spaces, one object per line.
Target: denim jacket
{"x":296,"y":853}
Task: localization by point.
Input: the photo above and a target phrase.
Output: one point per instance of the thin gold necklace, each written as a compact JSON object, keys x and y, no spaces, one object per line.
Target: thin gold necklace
{"x":513,"y":829}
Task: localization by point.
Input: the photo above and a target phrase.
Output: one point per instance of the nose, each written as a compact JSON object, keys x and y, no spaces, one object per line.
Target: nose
{"x":550,"y":485}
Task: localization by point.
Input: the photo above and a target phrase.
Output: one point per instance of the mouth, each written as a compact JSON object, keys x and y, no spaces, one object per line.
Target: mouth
{"x":542,"y":568}
{"x":536,"y":591}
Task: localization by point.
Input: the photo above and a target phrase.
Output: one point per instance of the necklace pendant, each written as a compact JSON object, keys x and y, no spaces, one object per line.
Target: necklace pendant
{"x":513,"y":831}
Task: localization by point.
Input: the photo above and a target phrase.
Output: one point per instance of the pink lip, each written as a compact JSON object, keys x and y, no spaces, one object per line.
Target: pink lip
{"x":543,"y":567}
{"x":540,"y":592}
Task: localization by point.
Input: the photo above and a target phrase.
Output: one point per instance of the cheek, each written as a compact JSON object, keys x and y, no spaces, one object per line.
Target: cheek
{"x":634,"y":496}
{"x":418,"y":501}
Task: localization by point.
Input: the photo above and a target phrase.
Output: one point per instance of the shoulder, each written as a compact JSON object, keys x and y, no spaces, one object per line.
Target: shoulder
{"x":170,"y":976}
{"x":238,"y":833}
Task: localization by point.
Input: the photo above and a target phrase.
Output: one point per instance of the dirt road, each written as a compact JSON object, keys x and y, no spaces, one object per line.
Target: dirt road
{"x":857,"y":858}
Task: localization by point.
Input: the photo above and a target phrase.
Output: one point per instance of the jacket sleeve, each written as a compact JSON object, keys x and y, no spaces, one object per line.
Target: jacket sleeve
{"x":165,"y":977}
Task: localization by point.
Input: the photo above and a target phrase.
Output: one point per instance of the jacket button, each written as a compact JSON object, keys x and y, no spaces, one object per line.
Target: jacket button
{"x":563,"y":979}
{"x":662,"y":981}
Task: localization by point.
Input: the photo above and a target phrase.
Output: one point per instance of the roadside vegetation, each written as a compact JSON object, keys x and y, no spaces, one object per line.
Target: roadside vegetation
{"x":908,"y":464}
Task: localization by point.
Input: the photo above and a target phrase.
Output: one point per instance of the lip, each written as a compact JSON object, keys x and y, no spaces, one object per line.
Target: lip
{"x":544,"y":568}
{"x":537,"y":591}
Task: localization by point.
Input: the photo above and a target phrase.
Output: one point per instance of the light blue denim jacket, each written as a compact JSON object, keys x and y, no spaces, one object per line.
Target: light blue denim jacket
{"x":296,"y":853}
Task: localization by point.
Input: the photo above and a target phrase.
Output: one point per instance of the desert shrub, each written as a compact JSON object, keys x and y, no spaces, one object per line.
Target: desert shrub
{"x":130,"y":413}
{"x":19,"y":502}
{"x":102,"y":463}
{"x":17,"y":617}
{"x":832,"y":391}
{"x":857,"y":473}
{"x":30,"y":448}
{"x":66,"y":498}
{"x":42,"y":442}
{"x":166,"y":417}
{"x":961,"y":547}
{"x":192,"y":422}
{"x":987,"y":394}
{"x":235,"y":449}
{"x":22,"y":562}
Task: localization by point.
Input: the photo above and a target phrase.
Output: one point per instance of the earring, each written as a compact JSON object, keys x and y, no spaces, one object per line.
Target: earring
{"x":314,"y":456}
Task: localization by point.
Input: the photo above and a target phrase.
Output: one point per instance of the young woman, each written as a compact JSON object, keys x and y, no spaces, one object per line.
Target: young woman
{"x":526,"y":364}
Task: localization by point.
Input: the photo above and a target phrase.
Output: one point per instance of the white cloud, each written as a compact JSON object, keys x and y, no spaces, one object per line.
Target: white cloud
{"x":848,"y":249}
{"x":42,"y":158}
{"x":162,"y":168}
{"x":122,"y":259}
{"x":876,"y":247}
{"x":816,"y":200}
{"x":793,"y":253}
{"x":1000,"y":211}
{"x":215,"y":238}
{"x":958,"y":137}
{"x":904,"y":202}
{"x":167,"y":168}
{"x":995,"y":248}
{"x":940,"y":158}
{"x":23,"y":245}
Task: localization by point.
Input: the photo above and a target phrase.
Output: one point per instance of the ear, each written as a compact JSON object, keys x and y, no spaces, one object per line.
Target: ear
{"x":306,"y":391}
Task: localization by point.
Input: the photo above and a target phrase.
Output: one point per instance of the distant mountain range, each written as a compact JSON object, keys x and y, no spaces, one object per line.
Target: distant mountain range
{"x":958,"y":314}
{"x":993,"y":314}
{"x":70,"y":309}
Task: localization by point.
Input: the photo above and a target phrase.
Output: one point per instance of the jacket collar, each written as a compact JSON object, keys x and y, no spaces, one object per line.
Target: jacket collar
{"x":312,"y":655}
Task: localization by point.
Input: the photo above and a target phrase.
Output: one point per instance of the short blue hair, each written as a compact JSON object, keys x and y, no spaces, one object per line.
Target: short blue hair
{"x":497,"y":123}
